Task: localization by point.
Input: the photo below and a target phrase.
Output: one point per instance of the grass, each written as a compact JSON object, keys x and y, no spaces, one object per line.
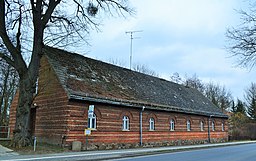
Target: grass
{"x":41,"y":148}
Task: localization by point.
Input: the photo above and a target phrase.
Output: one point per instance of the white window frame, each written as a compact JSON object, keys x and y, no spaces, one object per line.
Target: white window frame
{"x":92,"y":122}
{"x":172,"y":125}
{"x":125,"y":123}
{"x":151,"y":124}
{"x":202,"y":125}
{"x":222,"y":127}
{"x":213,"y":126}
{"x":188,"y":125}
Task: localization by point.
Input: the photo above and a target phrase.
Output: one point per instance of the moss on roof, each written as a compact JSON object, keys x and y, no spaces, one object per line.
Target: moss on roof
{"x":86,"y":78}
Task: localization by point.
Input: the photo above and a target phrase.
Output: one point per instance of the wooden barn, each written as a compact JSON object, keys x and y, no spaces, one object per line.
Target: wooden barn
{"x":122,"y":108}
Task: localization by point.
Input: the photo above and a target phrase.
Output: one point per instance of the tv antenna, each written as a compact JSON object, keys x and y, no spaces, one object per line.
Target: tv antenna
{"x":131,"y":37}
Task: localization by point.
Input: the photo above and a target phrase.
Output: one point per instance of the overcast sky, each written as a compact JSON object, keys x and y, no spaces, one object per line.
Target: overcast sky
{"x":184,"y":36}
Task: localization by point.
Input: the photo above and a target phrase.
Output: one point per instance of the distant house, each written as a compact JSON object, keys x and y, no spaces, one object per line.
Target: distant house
{"x":127,"y":108}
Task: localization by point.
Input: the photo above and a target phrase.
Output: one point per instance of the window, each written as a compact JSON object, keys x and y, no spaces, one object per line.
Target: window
{"x":151,"y":124}
{"x":125,"y":123}
{"x":172,"y":125}
{"x":213,"y":126}
{"x":222,"y":126}
{"x":92,"y":122}
{"x":188,"y":125}
{"x":202,"y":126}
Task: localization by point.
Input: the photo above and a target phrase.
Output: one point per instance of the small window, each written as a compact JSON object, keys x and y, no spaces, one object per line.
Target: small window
{"x":222,"y":126}
{"x":202,"y":126}
{"x":213,"y":126}
{"x":172,"y":125}
{"x":125,"y":123}
{"x":151,"y":124}
{"x":188,"y":125}
{"x":92,"y":122}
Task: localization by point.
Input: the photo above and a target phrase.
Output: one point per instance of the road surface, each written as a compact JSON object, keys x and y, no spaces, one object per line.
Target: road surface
{"x":245,"y":152}
{"x":232,"y":151}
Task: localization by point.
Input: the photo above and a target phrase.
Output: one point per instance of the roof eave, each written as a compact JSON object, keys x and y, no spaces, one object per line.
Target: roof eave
{"x":146,"y":105}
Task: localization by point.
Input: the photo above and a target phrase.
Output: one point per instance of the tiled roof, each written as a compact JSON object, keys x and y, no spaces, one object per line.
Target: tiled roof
{"x":93,"y":80}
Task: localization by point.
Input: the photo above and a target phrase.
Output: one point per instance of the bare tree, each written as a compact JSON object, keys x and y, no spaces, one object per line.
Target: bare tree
{"x":242,"y":39}
{"x":194,"y":82}
{"x":144,"y":69}
{"x":250,"y":100}
{"x":219,"y":95}
{"x":8,"y":85}
{"x":27,"y":26}
{"x":116,"y":62}
{"x":216,"y":93}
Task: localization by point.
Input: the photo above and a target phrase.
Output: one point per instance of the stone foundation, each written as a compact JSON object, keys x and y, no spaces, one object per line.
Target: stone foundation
{"x":113,"y":146}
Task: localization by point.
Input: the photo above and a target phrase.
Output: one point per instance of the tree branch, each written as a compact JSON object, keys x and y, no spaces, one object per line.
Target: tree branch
{"x":242,"y":40}
{"x":16,"y":55}
{"x":8,"y":60}
{"x":36,"y":11}
{"x":18,"y":35}
{"x":32,"y":3}
{"x":3,"y":33}
{"x":49,"y":11}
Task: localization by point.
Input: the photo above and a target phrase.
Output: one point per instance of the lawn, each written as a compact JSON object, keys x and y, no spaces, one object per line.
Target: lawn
{"x":41,"y":148}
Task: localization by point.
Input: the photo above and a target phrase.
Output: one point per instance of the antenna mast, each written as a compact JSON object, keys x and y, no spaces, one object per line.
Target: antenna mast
{"x":131,"y":37}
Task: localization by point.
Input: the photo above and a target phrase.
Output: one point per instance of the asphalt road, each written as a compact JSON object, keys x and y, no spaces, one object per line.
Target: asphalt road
{"x":231,"y":151}
{"x":245,"y":152}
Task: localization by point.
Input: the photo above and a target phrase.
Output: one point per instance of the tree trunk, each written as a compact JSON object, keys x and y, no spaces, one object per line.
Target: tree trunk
{"x":27,"y":86}
{"x":22,"y":136}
